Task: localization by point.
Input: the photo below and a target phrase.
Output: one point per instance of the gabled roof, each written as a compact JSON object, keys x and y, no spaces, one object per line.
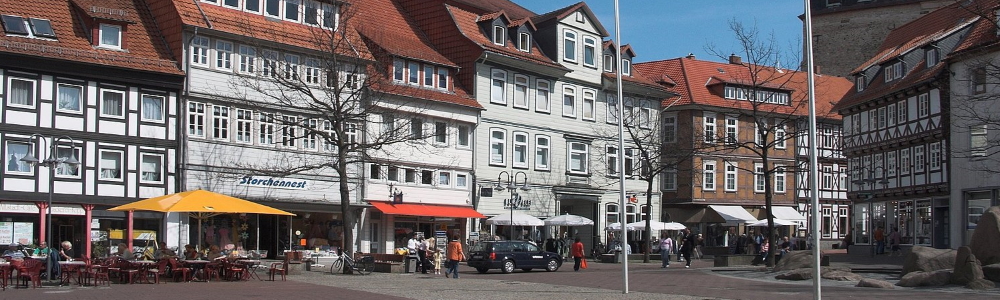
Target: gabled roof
{"x":107,"y":10}
{"x":145,"y":50}
{"x":467,"y":26}
{"x":627,"y":49}
{"x":522,"y":21}
{"x":695,"y":78}
{"x":386,"y":24}
{"x":237,"y":22}
{"x":512,"y":10}
{"x":564,"y":12}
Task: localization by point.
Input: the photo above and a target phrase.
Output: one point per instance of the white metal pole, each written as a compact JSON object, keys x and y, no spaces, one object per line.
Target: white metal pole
{"x":621,"y":149}
{"x":813,"y":164}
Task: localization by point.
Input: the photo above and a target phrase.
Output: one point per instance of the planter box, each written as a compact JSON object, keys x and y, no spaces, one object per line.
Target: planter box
{"x":735,"y":260}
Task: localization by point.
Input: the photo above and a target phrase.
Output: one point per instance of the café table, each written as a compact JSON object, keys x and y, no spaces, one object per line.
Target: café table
{"x":71,"y":267}
{"x":251,"y":266}
{"x":198,"y":265}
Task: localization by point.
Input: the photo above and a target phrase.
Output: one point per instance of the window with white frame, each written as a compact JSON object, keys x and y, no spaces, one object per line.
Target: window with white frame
{"x":244,"y":126}
{"x":923,"y":105}
{"x":629,"y":157}
{"x":428,"y":76}
{"x":670,"y":179}
{"x":498,"y":87}
{"x":392,"y":173}
{"x":112,"y":103}
{"x":931,"y":57}
{"x":375,"y":172}
{"x":758,"y":178}
{"x":612,"y":115}
{"x":331,"y":16}
{"x":524,"y":42}
{"x":111,"y":165}
{"x":220,"y":122}
{"x":351,"y":133}
{"x":68,"y":97}
{"x":309,"y":134}
{"x":708,"y":175}
{"x":252,"y":6}
{"x":310,"y":12}
{"x":223,"y":55}
{"x":569,"y":101}
{"x":569,"y":46}
{"x":541,"y":152}
{"x":893,"y":71}
{"x":904,"y":162}
{"x":412,"y":73}
{"x":612,"y":213}
{"x":827,"y":222}
{"x":329,"y":142}
{"x":900,"y":112}
{"x":732,"y":130}
{"x":890,"y":163}
{"x":111,"y":37}
{"x":612,"y":160}
{"x":440,"y":132}
{"x":498,"y":146}
{"x":859,"y":83}
{"x":669,"y":128}
{"x":269,"y":63}
{"x":881,"y":117}
{"x":152,"y":108}
{"x":779,"y":179}
{"x":196,"y":119}
{"x":842,"y":179}
{"x":918,"y":159}
{"x":978,"y":81}
{"x":388,"y":124}
{"x":199,"y":51}
{"x":289,"y":132}
{"x":398,"y":70}
{"x":292,"y":65}
{"x":499,"y":35}
{"x":265,"y":133}
{"x":248,"y":59}
{"x":15,"y":152}
{"x":151,"y":168}
{"x":589,"y":51}
{"x":461,"y":181}
{"x":709,"y":127}
{"x":935,"y":153}
{"x":542,"y":92}
{"x":780,"y":140}
{"x":312,"y":70}
{"x":978,"y":141}
{"x":520,"y":150}
{"x":464,"y":136}
{"x":410,"y":176}
{"x":645,"y":118}
{"x":827,"y":177}
{"x":609,"y":63}
{"x":589,"y":104}
{"x":630,"y":213}
{"x":890,"y":115}
{"x":444,"y":179}
{"x":879,"y":167}
{"x":417,"y":128}
{"x":760,"y":132}
{"x":292,"y":11}
{"x":64,"y":152}
{"x":731,"y":173}
{"x":579,"y":157}
{"x":521,"y":91}
{"x":21,"y":92}
{"x":426,"y":177}
{"x":442,"y":78}
{"x":626,"y":67}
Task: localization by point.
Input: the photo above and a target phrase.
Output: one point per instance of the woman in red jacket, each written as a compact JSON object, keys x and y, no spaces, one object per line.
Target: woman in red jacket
{"x":577,"y":253}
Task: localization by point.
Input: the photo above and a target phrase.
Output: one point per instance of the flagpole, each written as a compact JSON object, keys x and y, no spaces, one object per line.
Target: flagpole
{"x":621,"y":149}
{"x":813,"y":164}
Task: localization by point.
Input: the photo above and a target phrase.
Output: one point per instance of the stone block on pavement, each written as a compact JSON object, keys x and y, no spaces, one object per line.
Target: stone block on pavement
{"x":986,"y":237}
{"x":842,"y":276}
{"x":875,"y":283}
{"x":928,"y":259}
{"x":980,"y":284}
{"x":794,"y":260}
{"x":967,"y":268}
{"x":920,"y":278}
{"x":992,"y":272}
{"x":797,"y":274}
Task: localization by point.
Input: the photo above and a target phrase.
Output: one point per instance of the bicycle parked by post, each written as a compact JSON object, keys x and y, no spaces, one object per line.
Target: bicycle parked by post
{"x":363,"y":266}
{"x":597,"y":251}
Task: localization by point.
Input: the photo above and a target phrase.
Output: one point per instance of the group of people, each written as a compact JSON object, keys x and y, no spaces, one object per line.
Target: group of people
{"x":65,"y":252}
{"x":685,"y":246}
{"x":429,"y":256}
{"x":894,"y":241}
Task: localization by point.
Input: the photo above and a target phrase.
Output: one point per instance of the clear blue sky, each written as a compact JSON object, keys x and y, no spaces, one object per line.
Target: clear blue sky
{"x":664,"y":29}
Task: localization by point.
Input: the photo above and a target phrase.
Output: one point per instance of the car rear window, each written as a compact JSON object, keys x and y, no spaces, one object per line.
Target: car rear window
{"x":481,"y":247}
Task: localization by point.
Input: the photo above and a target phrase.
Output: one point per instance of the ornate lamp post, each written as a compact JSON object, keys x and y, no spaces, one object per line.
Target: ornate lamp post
{"x":52,"y":162}
{"x":512,"y":186}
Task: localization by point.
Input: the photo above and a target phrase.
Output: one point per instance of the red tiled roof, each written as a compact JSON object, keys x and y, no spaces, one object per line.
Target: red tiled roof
{"x":460,"y":97}
{"x":467,"y":26}
{"x":233,"y":21}
{"x":385,"y":23}
{"x":510,"y":8}
{"x":561,"y":13}
{"x":694,"y":76}
{"x":145,"y":50}
{"x":492,"y":16}
{"x":107,"y":9}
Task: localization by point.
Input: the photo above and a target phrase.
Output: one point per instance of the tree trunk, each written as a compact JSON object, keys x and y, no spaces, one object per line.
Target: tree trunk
{"x":768,"y":197}
{"x":347,"y":246}
{"x":647,"y":233}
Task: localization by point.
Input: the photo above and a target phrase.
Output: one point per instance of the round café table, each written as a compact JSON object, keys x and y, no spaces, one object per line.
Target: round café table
{"x":69,"y":268}
{"x":198,"y":265}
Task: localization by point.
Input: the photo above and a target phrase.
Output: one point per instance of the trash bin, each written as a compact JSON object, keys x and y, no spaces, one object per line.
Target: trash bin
{"x":410,"y":265}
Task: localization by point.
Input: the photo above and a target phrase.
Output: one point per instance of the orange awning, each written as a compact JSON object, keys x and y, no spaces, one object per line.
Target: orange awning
{"x":427,"y":210}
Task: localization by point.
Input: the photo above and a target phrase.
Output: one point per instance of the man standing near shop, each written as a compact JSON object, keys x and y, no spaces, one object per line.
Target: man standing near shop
{"x":577,"y":253}
{"x":455,"y":255}
{"x":879,"y":240}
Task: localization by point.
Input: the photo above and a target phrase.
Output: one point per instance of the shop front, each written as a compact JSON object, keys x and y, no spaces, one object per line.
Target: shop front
{"x":913,"y":218}
{"x":24,"y":223}
{"x":401,"y":221}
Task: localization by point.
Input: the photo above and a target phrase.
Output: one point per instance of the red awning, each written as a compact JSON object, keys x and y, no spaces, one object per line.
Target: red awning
{"x":427,"y":210}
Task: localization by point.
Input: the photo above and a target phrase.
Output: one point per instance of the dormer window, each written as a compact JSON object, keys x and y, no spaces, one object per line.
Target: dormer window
{"x":524,"y":42}
{"x":42,"y":28}
{"x":498,"y":35}
{"x":893,"y":71}
{"x":110,"y":36}
{"x":609,"y":63}
{"x":932,"y":57}
{"x":859,"y":83}
{"x":627,"y":67}
{"x":569,"y":46}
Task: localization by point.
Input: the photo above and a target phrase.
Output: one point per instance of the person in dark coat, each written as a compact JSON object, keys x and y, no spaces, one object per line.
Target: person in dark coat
{"x":688,"y":247}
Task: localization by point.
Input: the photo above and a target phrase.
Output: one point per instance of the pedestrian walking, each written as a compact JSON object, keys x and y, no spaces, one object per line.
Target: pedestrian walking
{"x":666,"y":246}
{"x":455,"y":255}
{"x":894,"y":242}
{"x":688,"y":246}
{"x":879,"y":241}
{"x":577,"y":253}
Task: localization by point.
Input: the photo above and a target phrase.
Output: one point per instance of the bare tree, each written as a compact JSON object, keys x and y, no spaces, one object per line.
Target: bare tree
{"x":332,"y":90}
{"x":773,"y":100}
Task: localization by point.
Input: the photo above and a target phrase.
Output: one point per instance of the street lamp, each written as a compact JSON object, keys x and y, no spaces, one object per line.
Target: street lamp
{"x":52,"y":162}
{"x":871,"y":180}
{"x":512,"y":186}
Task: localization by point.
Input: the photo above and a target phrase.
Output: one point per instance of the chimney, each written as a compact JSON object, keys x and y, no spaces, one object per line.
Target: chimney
{"x":735,"y":59}
{"x":816,"y":69}
{"x":690,"y":56}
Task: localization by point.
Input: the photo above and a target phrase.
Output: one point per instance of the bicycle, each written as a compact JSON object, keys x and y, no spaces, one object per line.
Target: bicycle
{"x":597,"y":251}
{"x":363,"y":266}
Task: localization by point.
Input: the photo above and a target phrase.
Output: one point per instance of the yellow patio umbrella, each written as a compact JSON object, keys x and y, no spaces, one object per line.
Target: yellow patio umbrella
{"x":200,"y":204}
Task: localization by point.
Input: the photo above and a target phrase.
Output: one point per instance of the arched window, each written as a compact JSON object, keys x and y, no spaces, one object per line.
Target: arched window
{"x":612,"y":213}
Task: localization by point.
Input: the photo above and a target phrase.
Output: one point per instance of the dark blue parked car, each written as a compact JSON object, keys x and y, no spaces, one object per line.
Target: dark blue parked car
{"x":510,"y":255}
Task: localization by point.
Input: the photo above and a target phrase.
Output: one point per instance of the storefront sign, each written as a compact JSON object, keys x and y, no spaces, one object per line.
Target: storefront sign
{"x":518,"y":202}
{"x":17,"y":232}
{"x":273,"y":182}
{"x":31,"y":208}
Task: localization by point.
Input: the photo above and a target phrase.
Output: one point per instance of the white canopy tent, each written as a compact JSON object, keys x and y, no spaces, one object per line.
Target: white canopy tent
{"x":517,"y":219}
{"x":734,"y":215}
{"x":568,"y":220}
{"x":656,"y":225}
{"x":777,"y":222}
{"x":618,"y":226}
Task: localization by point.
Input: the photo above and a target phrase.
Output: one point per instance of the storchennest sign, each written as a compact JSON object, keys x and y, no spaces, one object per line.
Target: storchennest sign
{"x":272,"y":182}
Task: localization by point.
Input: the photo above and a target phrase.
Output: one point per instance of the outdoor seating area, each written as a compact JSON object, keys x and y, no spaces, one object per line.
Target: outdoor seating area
{"x":31,"y":272}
